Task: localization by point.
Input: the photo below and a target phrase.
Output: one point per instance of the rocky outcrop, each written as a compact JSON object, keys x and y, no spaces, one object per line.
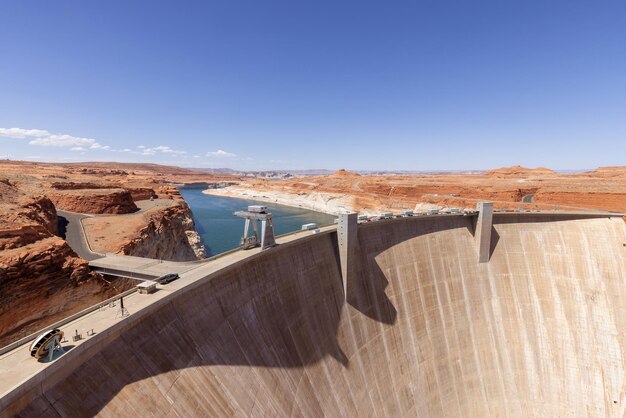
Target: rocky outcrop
{"x":345,"y":174}
{"x":518,"y":170}
{"x":27,"y":221}
{"x":142,"y":193}
{"x":137,"y":193}
{"x":96,"y":201}
{"x":42,"y":211}
{"x":70,"y":185}
{"x":111,"y":172}
{"x":41,"y":279}
{"x":169,"y":235}
{"x":42,"y":283}
{"x":607,"y":172}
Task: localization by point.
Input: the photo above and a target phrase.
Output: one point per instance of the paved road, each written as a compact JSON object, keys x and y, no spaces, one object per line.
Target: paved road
{"x":75,"y":235}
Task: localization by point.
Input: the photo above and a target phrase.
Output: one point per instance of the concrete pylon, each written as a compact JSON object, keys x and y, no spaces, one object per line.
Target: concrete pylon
{"x":348,"y":240}
{"x":267,"y":232}
{"x":483,"y":230}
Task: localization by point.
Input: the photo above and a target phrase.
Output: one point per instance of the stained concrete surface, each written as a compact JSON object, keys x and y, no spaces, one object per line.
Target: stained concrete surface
{"x":425,"y":330}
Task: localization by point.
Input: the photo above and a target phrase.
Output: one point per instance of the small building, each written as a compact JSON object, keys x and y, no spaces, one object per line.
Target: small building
{"x":257,"y":209}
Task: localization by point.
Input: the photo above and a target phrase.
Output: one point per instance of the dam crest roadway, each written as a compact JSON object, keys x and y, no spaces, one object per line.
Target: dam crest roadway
{"x":421,"y":327}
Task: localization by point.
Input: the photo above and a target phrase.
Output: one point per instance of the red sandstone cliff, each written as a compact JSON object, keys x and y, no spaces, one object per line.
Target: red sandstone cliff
{"x":94,"y":201}
{"x":137,"y":193}
{"x":42,"y":283}
{"x":41,"y":278}
{"x":169,"y":235}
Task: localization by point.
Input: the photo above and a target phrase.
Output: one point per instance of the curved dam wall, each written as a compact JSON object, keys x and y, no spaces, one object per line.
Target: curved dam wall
{"x":425,"y":331}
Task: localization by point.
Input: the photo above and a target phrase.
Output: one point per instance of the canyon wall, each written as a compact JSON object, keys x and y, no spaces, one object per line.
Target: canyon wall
{"x":137,"y":193}
{"x":169,"y":235}
{"x":115,"y":201}
{"x":42,"y":283}
{"x":41,"y":278}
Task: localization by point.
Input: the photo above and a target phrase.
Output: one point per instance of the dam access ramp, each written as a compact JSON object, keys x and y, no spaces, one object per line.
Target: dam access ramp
{"x":138,"y":267}
{"x":421,"y":328}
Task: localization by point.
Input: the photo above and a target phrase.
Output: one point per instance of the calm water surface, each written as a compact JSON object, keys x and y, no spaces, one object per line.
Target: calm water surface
{"x":221,"y":230}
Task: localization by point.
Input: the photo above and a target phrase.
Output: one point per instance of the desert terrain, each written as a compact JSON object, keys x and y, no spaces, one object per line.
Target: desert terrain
{"x":136,"y":209}
{"x":509,"y":188}
{"x":42,"y":279}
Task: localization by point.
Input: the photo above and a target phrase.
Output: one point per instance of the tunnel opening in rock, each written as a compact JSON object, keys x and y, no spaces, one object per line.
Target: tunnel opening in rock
{"x":62,"y":226}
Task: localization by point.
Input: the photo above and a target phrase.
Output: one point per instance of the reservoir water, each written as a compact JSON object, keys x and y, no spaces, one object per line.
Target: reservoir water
{"x":221,"y":230}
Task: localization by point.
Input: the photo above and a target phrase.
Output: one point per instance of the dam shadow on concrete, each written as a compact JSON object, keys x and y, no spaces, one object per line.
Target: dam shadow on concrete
{"x":381,"y":236}
{"x":258,"y":336}
{"x":280,"y":310}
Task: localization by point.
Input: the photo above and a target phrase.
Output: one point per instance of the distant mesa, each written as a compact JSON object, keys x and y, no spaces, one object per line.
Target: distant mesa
{"x":606,"y":172}
{"x":345,"y":173}
{"x":518,"y":170}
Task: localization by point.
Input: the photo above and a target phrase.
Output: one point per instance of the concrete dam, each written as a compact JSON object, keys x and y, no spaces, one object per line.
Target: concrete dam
{"x":424,"y":329}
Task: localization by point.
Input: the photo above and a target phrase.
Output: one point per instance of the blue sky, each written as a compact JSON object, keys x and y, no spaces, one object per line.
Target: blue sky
{"x":398,"y":85}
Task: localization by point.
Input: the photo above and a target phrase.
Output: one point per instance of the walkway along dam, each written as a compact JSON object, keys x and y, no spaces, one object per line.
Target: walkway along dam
{"x":430,"y":325}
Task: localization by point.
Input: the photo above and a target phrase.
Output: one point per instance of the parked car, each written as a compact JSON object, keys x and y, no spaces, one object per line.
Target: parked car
{"x":167,"y":278}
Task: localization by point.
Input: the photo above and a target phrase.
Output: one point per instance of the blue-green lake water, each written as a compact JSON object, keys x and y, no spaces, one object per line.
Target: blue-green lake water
{"x":221,"y":230}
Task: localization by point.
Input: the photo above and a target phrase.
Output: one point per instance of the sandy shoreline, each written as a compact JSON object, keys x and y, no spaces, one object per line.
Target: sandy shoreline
{"x":332,"y":204}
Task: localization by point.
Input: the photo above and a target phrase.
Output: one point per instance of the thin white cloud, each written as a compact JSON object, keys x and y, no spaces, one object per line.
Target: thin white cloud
{"x":22,"y":133}
{"x":220,"y":154}
{"x":168,"y":150}
{"x":63,"y":141}
{"x":162,"y":149}
{"x":80,"y":144}
{"x":47,"y":139}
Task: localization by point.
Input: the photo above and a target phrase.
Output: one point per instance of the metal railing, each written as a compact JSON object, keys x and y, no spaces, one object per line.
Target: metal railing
{"x":65,"y":321}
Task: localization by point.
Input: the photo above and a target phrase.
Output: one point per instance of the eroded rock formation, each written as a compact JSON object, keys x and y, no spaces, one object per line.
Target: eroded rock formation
{"x":169,"y":235}
{"x":41,"y":278}
{"x":115,"y":201}
{"x":42,"y":283}
{"x":509,"y":188}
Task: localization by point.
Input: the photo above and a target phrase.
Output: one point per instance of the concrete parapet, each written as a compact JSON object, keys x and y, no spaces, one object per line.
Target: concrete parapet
{"x":483,"y":230}
{"x":347,"y":239}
